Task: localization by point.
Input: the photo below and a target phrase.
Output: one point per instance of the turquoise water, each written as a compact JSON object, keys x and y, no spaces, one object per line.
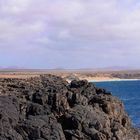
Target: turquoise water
{"x":129,"y":93}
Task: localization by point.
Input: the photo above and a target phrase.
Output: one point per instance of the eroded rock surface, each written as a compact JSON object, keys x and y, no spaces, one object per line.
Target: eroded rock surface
{"x":49,"y":108}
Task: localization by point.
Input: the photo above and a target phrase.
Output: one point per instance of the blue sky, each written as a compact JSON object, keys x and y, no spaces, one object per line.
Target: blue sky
{"x":69,"y":34}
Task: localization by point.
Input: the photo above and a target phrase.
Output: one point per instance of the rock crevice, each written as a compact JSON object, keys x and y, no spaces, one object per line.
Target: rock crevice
{"x":49,"y":108}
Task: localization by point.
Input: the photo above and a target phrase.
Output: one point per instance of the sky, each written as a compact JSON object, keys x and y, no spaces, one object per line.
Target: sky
{"x":71,"y":34}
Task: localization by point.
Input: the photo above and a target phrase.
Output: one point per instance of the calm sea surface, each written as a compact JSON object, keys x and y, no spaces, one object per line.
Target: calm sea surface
{"x":129,"y":93}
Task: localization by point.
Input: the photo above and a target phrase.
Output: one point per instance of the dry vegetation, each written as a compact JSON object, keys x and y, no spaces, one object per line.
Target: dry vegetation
{"x":70,"y":75}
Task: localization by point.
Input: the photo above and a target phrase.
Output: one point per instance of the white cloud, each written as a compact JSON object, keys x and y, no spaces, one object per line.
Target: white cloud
{"x":96,"y":20}
{"x":14,"y":6}
{"x":87,"y":27}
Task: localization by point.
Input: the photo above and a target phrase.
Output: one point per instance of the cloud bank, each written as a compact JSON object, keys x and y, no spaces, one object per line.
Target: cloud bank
{"x":69,"y":34}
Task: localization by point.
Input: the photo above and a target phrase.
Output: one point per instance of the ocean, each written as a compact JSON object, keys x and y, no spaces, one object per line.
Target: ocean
{"x":129,"y":93}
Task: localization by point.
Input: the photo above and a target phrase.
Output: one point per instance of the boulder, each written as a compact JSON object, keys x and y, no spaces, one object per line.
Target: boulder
{"x":49,"y":108}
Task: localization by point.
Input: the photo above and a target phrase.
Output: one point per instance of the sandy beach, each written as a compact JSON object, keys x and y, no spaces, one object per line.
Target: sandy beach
{"x":111,"y":80}
{"x":99,"y":79}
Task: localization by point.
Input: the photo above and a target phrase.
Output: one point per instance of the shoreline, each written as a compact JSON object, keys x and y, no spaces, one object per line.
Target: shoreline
{"x":113,"y":80}
{"x":105,"y":80}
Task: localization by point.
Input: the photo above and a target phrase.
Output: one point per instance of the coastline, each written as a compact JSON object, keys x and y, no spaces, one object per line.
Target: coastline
{"x":69,"y":76}
{"x":99,"y":111}
{"x":112,"y":80}
{"x":104,"y":80}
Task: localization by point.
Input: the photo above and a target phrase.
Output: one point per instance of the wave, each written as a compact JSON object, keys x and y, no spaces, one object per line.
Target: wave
{"x":114,"y":80}
{"x":129,"y":99}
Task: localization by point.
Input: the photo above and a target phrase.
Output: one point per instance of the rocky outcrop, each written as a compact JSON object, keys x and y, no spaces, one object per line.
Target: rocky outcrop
{"x":49,"y":108}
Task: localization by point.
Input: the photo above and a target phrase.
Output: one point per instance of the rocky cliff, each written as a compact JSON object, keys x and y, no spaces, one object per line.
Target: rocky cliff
{"x":49,"y":108}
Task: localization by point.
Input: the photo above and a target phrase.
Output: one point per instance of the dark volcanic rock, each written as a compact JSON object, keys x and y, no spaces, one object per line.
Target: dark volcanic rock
{"x":48,"y":108}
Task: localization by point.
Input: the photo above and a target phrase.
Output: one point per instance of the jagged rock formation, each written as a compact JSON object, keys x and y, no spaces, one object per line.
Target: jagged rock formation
{"x":49,"y":108}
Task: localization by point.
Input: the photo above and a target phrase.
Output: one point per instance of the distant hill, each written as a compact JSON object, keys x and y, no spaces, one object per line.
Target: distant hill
{"x":112,"y":68}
